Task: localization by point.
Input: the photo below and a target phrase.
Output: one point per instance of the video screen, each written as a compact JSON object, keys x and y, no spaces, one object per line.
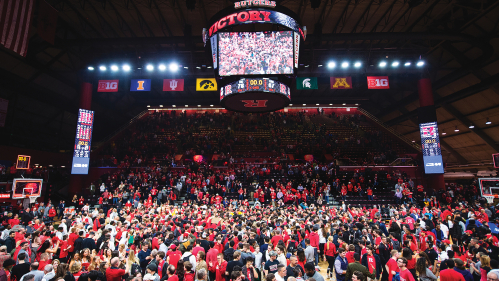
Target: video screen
{"x":26,"y":187}
{"x":255,"y":53}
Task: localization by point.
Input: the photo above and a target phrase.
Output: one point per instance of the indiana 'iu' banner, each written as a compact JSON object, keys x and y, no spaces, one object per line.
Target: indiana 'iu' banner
{"x":140,"y":85}
{"x":306,"y":83}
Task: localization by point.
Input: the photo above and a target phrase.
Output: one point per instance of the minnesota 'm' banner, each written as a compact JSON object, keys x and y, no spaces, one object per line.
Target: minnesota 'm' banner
{"x":170,"y":85}
{"x":341,"y":82}
{"x":306,"y":83}
{"x":206,"y":84}
{"x":15,"y":20}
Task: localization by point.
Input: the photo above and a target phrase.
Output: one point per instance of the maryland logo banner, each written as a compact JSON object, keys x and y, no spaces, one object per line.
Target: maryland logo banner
{"x":206,"y":84}
{"x":306,"y":83}
{"x":342,"y":83}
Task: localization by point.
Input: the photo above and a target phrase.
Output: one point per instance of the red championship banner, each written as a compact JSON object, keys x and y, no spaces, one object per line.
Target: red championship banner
{"x":170,"y":85}
{"x":377,"y":82}
{"x":108,"y":85}
{"x":341,"y":82}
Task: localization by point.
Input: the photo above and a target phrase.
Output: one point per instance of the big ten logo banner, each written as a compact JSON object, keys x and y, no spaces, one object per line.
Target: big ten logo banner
{"x":108,"y":86}
{"x":341,"y":83}
{"x":140,"y":85}
{"x":377,"y":82}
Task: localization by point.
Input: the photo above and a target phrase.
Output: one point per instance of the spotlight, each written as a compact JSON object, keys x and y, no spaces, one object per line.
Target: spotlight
{"x":148,"y":106}
{"x":162,"y":67}
{"x":345,"y":65}
{"x":357,"y":64}
{"x":407,"y":64}
{"x":320,"y":65}
{"x":150,"y":67}
{"x":290,"y":104}
{"x":420,"y":63}
{"x":90,"y":68}
{"x":307,"y":65}
{"x":173,"y":67}
{"x":174,"y":105}
{"x":382,"y":64}
{"x":114,"y":67}
{"x":126,"y":67}
{"x":186,"y":105}
{"x":160,"y":105}
{"x":344,"y":104}
{"x":395,"y":64}
{"x":330,"y":104}
{"x":199,"y":105}
{"x":488,"y":121}
{"x":102,"y":68}
{"x":456,"y":129}
{"x":413,"y":141}
{"x":444,"y":133}
{"x":316,"y":104}
{"x":304,"y":104}
{"x":356,"y":104}
{"x":211,"y":105}
{"x":331,"y":65}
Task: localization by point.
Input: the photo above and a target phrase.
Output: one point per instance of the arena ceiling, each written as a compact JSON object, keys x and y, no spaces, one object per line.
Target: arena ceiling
{"x":458,"y":39}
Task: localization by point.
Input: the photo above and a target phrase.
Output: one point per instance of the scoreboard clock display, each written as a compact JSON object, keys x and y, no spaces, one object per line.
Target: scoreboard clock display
{"x":23,"y":162}
{"x":83,"y":142}
{"x":255,"y":95}
{"x":432,"y":153}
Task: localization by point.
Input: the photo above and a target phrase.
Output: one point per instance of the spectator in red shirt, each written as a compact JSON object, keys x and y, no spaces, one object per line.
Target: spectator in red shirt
{"x":450,"y":274}
{"x":405,"y":274}
{"x":113,"y":273}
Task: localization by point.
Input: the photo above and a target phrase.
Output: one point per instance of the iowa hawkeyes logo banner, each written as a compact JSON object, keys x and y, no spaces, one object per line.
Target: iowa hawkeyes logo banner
{"x":206,"y":84}
{"x":341,"y":83}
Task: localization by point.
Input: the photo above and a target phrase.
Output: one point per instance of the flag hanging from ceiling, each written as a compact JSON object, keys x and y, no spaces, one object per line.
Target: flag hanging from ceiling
{"x":15,"y":20}
{"x":306,"y":83}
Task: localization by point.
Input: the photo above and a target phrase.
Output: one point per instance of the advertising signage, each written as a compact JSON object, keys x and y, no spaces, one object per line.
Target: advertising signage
{"x":83,"y":141}
{"x":432,"y":153}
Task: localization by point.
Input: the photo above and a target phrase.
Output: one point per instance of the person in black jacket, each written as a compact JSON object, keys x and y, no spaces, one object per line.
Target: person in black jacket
{"x":384,"y":251}
{"x":367,"y":261}
{"x":10,"y":242}
{"x":89,"y":242}
{"x":79,"y":242}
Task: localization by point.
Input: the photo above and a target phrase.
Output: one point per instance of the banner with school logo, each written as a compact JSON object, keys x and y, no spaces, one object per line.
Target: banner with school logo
{"x":140,"y":85}
{"x":306,"y":83}
{"x":173,"y":85}
{"x":341,"y":83}
{"x":206,"y":84}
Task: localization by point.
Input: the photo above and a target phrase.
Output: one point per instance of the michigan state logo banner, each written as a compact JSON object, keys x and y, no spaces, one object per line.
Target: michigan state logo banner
{"x":306,"y":83}
{"x":341,"y":83}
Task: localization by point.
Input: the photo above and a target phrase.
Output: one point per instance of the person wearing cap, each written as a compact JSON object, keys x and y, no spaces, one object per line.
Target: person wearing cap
{"x":151,"y":273}
{"x":271,"y":264}
{"x":173,"y":256}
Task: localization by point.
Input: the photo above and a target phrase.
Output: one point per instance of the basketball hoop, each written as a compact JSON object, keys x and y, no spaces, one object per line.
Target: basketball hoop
{"x":489,"y":198}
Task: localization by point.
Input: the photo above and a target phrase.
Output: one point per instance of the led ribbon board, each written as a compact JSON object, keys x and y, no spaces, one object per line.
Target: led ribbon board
{"x":256,"y":15}
{"x":83,"y":141}
{"x":255,"y":95}
{"x":432,"y":154}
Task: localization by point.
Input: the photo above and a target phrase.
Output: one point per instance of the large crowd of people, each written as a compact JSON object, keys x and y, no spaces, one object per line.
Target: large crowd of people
{"x":209,"y":240}
{"x":265,"y":221}
{"x":255,"y":53}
